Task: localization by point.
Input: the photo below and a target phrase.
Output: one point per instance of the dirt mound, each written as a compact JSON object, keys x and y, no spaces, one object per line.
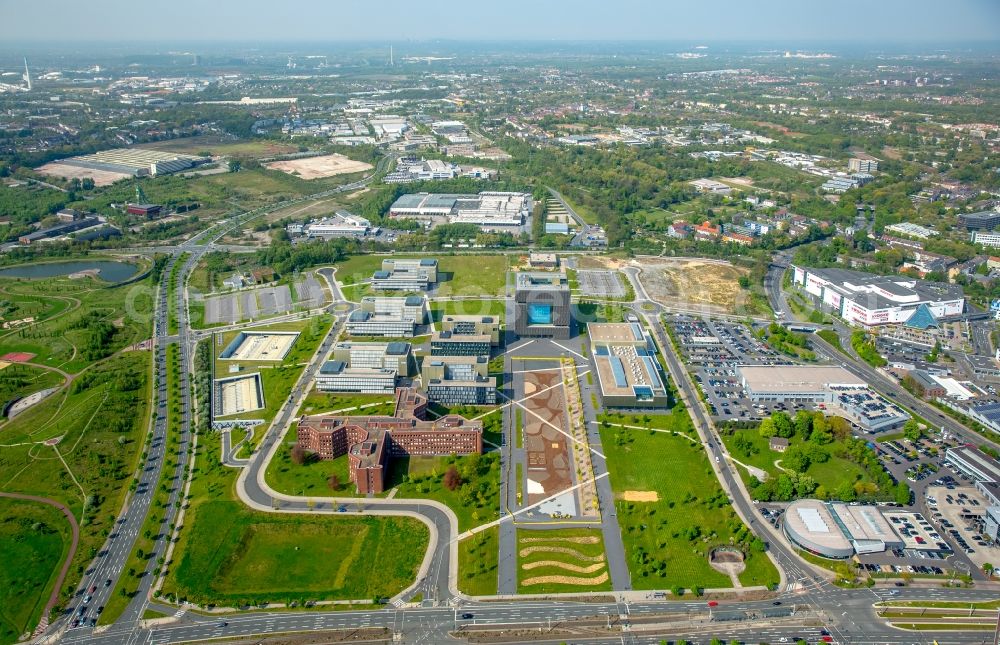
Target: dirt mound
{"x":575,"y":568}
{"x":566,"y":580}
{"x":525,"y":552}
{"x":582,"y":539}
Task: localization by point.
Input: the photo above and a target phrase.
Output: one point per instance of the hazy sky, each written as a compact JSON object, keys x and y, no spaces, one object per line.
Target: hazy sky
{"x":796,"y":21}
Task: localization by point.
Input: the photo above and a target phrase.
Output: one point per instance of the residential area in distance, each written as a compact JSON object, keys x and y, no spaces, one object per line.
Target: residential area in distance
{"x":573,"y":338}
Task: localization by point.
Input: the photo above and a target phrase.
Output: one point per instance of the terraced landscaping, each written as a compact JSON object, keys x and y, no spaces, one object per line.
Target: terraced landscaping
{"x":561,"y":561}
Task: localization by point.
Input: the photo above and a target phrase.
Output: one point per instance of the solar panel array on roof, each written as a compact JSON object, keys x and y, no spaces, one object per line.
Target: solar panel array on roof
{"x":618,"y":371}
{"x":813,"y":520}
{"x":636,"y":331}
{"x":602,"y":350}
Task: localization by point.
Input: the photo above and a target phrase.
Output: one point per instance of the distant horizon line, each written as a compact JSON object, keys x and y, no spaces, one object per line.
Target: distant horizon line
{"x":874,"y":40}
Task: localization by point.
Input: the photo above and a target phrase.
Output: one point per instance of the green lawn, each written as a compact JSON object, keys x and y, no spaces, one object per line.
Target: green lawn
{"x":34,"y":539}
{"x":829,"y":475}
{"x":475,"y":501}
{"x":235,"y":555}
{"x":657,"y":420}
{"x":540,"y":553}
{"x":477,"y":563}
{"x":318,"y":402}
{"x":458,"y":275}
{"x":310,"y":478}
{"x":667,"y":542}
{"x":467,"y":308}
{"x":101,"y":419}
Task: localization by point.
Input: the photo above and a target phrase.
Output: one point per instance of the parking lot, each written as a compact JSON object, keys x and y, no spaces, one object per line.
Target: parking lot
{"x":959,"y":511}
{"x":600,"y":284}
{"x":714,"y":349}
{"x":917,"y":534}
{"x":263,"y":301}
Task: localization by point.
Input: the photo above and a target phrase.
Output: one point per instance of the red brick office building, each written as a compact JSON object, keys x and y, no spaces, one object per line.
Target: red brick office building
{"x":370,"y":441}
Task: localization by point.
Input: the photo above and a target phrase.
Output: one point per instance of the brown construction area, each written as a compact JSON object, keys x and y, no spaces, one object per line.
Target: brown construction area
{"x":319,"y":167}
{"x":69,"y":171}
{"x":549,"y":466}
{"x":693,"y":283}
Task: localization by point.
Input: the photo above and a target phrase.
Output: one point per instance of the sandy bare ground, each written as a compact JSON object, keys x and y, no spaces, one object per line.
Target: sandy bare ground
{"x":641,"y":496}
{"x":575,"y":568}
{"x":598,"y":262}
{"x":565,"y":550}
{"x":66,"y":171}
{"x":566,"y":580}
{"x":580,"y":539}
{"x":693,"y":283}
{"x":318,"y":167}
{"x":742,"y":181}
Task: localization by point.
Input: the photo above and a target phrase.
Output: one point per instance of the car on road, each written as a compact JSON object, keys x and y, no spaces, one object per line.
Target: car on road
{"x":466,"y":616}
{"x":223,"y":623}
{"x":776,"y":603}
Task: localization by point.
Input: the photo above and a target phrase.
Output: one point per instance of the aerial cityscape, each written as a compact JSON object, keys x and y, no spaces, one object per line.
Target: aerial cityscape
{"x":645,"y":323}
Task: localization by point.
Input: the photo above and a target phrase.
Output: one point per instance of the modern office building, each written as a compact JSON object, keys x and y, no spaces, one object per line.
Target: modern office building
{"x":838,"y":531}
{"x":542,"y":305}
{"x":460,"y":325}
{"x":986,"y":239}
{"x":862,"y":165}
{"x":981,"y":221}
{"x":371,"y":441}
{"x":973,"y":463}
{"x":446,"y":343}
{"x":458,"y":380}
{"x":396,"y":356}
{"x":388,"y":317}
{"x":405,"y":275}
{"x":340,"y":224}
{"x":490,"y":210}
{"x":338,"y":376}
{"x":624,"y":359}
{"x":543,"y":260}
{"x":868,"y":300}
{"x":831,"y":388}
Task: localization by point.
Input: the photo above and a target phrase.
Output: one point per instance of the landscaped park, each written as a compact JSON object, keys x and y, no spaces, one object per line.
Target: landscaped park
{"x":79,"y":445}
{"x":672,"y":512}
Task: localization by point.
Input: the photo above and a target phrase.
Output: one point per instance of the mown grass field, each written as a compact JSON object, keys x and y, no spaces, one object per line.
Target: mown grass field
{"x":235,"y":555}
{"x":561,"y":561}
{"x":477,"y":563}
{"x":668,"y":541}
{"x":458,"y":275}
{"x":311,"y":478}
{"x":475,"y":501}
{"x":317,"y":402}
{"x":218,"y":529}
{"x":216,"y":145}
{"x":467,"y":308}
{"x":34,"y":539}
